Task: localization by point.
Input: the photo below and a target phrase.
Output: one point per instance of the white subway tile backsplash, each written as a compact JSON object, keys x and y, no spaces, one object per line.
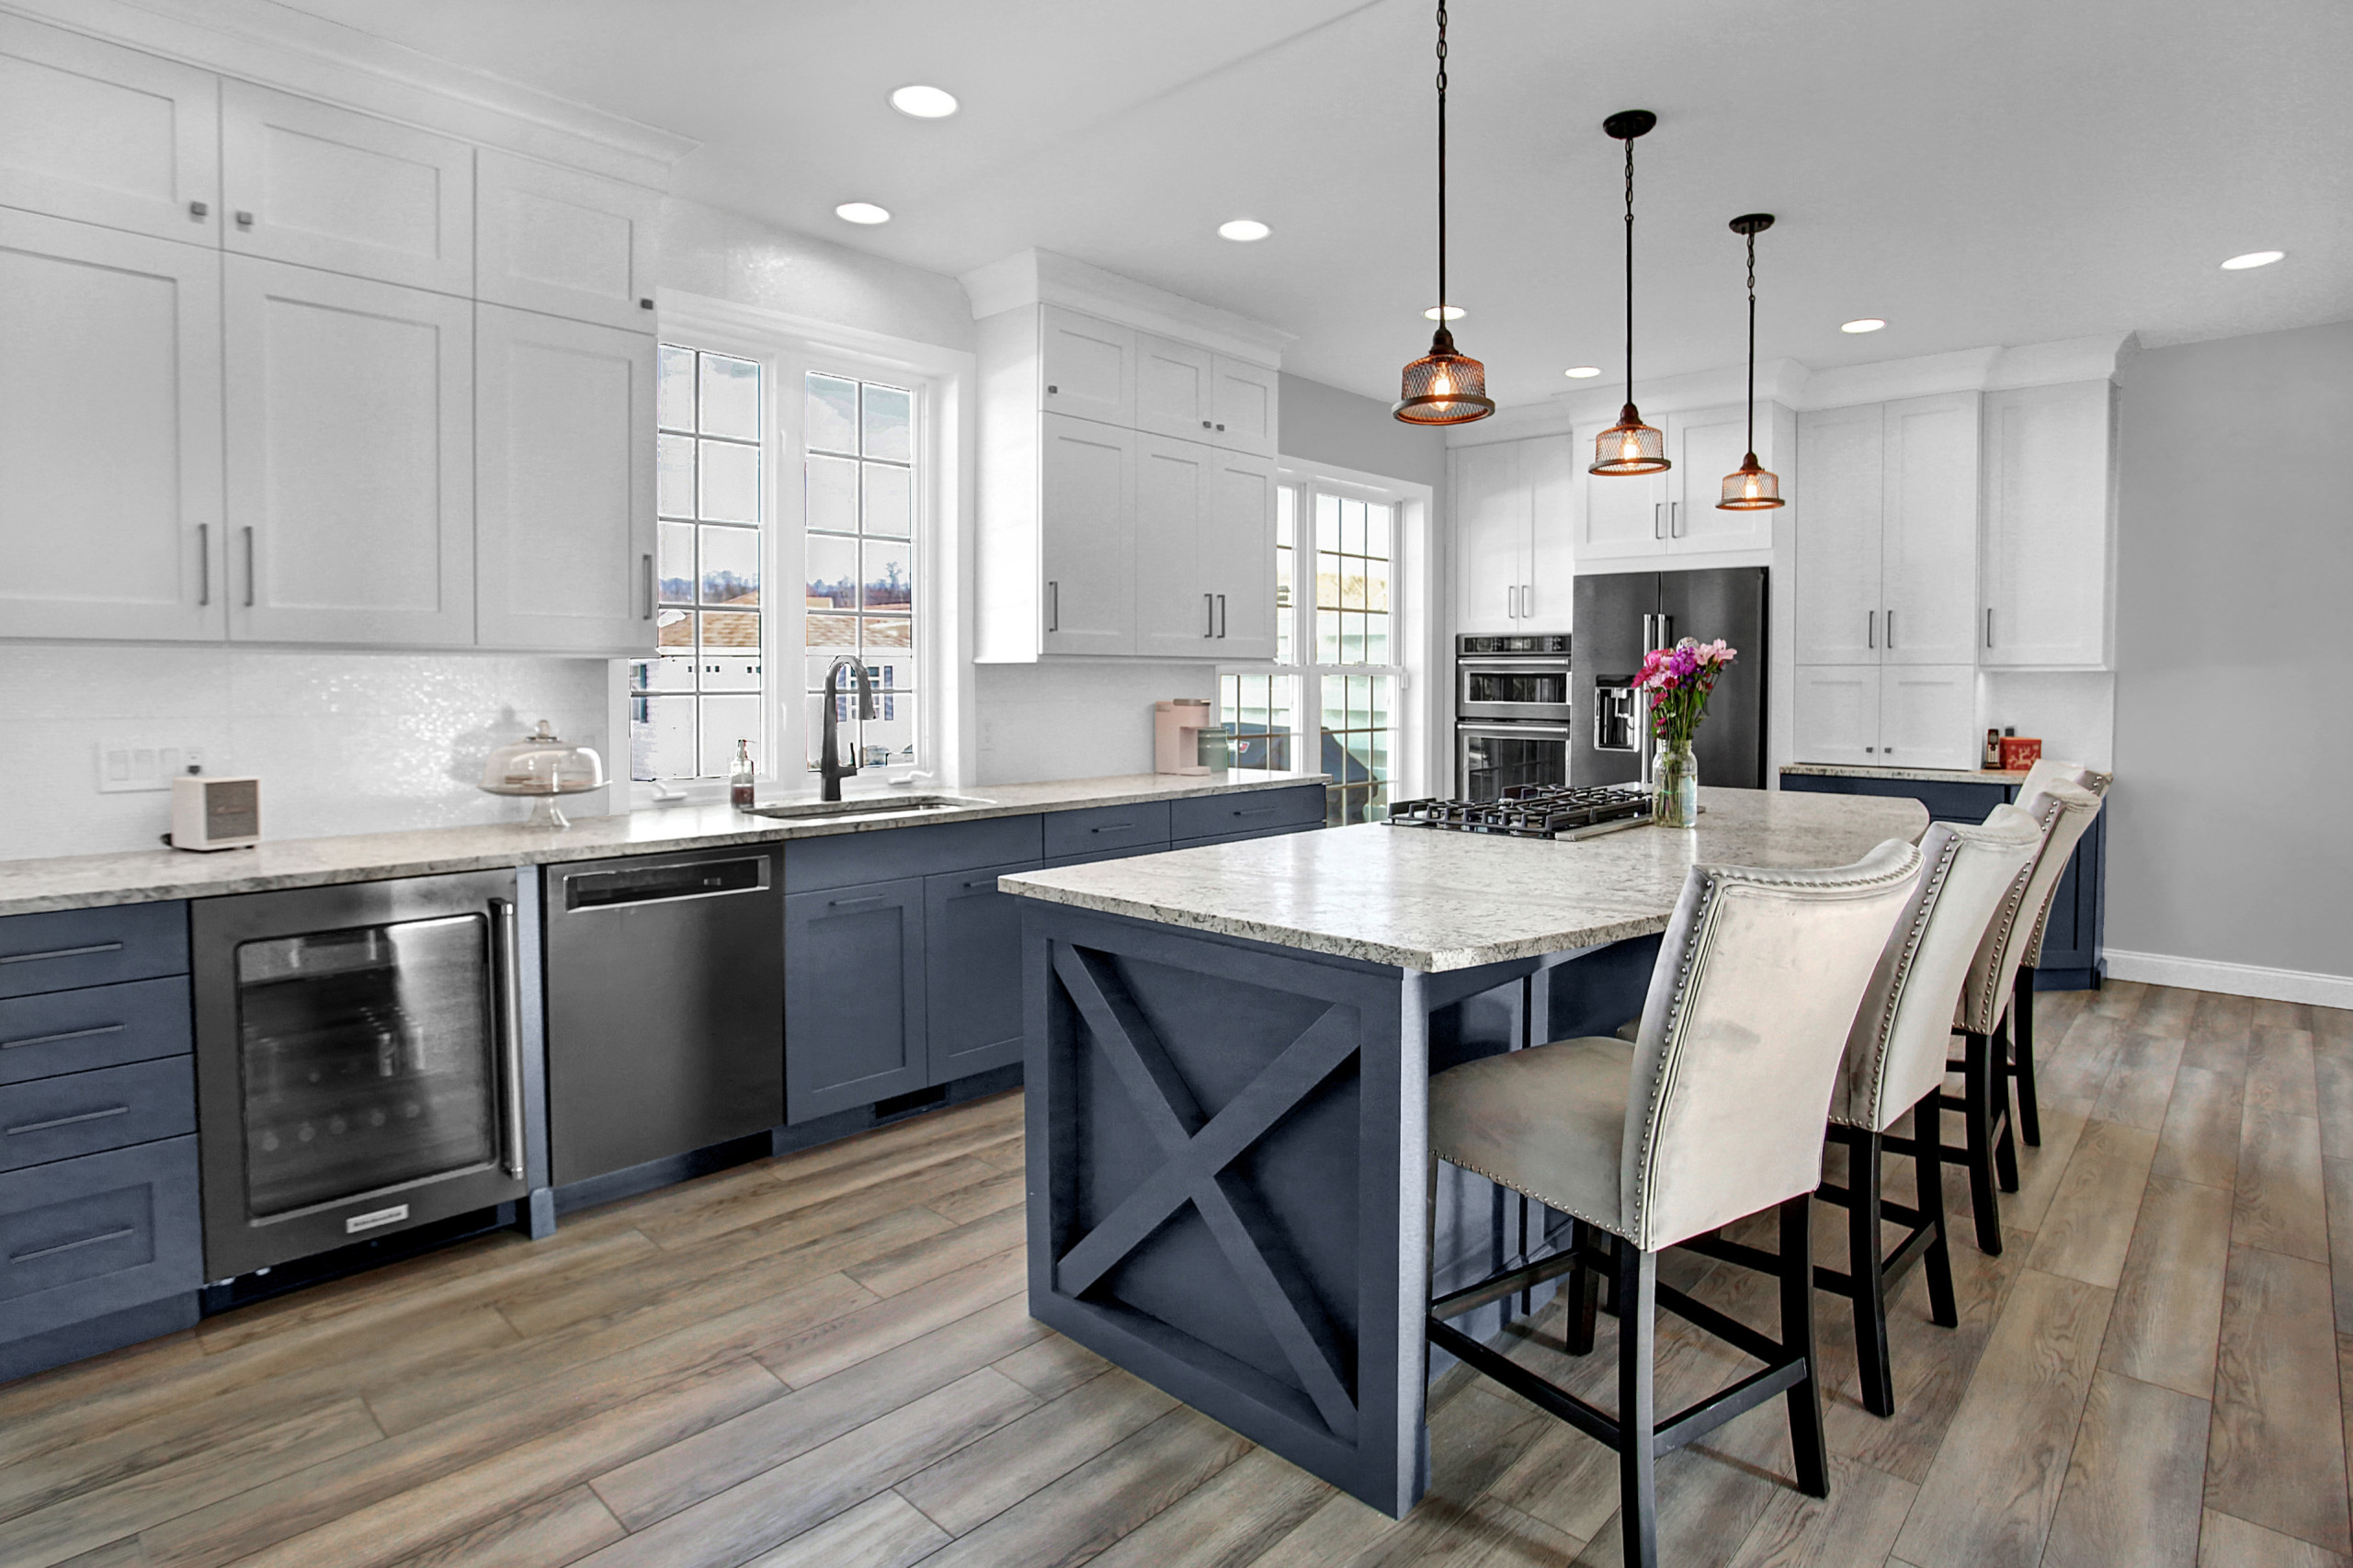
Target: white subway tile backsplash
{"x":343,"y":742}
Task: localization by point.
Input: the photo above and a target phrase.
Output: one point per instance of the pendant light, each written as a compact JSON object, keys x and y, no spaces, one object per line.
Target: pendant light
{"x":1629,"y":445}
{"x":1750,"y":488}
{"x":1443,"y":387}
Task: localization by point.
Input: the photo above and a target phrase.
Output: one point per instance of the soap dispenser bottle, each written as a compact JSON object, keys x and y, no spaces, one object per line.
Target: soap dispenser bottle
{"x":739,"y":778}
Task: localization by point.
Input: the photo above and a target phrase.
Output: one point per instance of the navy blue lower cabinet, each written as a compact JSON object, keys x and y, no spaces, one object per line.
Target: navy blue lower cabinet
{"x":854,"y":1013}
{"x":82,"y":1239}
{"x":972,"y":972}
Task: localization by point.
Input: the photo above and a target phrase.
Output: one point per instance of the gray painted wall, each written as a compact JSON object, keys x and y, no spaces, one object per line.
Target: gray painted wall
{"x":2229,"y":839}
{"x":1322,"y":424}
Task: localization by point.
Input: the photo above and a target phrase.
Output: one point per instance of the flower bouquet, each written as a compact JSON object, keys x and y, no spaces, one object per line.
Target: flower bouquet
{"x":1677,"y":681}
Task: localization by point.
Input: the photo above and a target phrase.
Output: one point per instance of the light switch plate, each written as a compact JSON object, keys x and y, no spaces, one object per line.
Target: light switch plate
{"x":126,"y":766}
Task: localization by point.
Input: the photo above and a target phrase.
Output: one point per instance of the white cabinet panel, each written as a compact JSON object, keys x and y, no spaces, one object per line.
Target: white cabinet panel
{"x":109,"y":434}
{"x":1491,"y":522}
{"x":564,"y":483}
{"x":1928,"y":716}
{"x":1089,"y":367}
{"x":1242,"y":406}
{"x":1176,"y":615}
{"x":350,"y":458}
{"x":1839,"y":452}
{"x":1086,"y":541}
{"x":1928,"y":562}
{"x":1705,"y":446}
{"x":309,"y":183}
{"x":1835,"y":715}
{"x":1548,"y":466}
{"x":1237,"y":554}
{"x":566,"y":243}
{"x":2047,"y":527}
{"x":1173,"y":388}
{"x":1625,"y":515}
{"x":108,"y":135}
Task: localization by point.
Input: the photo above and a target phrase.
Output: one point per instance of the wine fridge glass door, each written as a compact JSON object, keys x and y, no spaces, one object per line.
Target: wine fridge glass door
{"x":369,"y":1059}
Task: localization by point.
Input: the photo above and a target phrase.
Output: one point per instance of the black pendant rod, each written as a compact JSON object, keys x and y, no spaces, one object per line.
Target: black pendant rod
{"x":1752,"y":343}
{"x":1442,"y":165}
{"x":1629,"y":270}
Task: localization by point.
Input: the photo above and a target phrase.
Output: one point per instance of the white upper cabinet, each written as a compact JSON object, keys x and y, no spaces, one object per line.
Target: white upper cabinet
{"x":1928,"y":541}
{"x":1237,"y":553}
{"x":1086,"y":537}
{"x":109,"y":434}
{"x":349,"y":416}
{"x":1491,"y":513}
{"x":1087,"y":366}
{"x":309,"y":183}
{"x":1549,"y":467}
{"x":1175,"y":389}
{"x":1176,"y":612}
{"x":1624,"y":515}
{"x":1242,"y":407}
{"x":2050,"y":527}
{"x":1838,"y":605}
{"x":564,"y":483}
{"x":1629,"y":517}
{"x":108,"y":135}
{"x":565,"y":242}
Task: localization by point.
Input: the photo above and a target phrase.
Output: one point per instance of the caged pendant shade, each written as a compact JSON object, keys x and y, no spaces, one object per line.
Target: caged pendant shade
{"x":1750,"y":487}
{"x":1630,"y":447}
{"x":1442,"y":386}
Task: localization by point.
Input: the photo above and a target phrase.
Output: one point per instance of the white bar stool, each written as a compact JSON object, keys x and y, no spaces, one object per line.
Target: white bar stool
{"x":2020,"y":1068}
{"x":1714,"y":1113}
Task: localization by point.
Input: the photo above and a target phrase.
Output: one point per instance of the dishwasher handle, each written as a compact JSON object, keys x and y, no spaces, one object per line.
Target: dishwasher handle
{"x":664,"y":884}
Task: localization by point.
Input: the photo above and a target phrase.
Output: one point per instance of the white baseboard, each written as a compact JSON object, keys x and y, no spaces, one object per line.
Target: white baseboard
{"x":2231,"y":979}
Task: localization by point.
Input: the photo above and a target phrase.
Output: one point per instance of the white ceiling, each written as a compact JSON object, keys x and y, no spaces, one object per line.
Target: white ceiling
{"x":1995,"y":172}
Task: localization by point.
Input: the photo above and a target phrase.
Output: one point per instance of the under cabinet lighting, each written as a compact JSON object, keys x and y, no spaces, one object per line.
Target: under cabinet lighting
{"x":1861,"y":323}
{"x":2253,"y":258}
{"x":862,"y":212}
{"x":920,"y":102}
{"x":1582,"y":373}
{"x":1243,"y":228}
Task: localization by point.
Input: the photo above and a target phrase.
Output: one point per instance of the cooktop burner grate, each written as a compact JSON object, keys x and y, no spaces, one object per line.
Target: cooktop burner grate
{"x":1534,"y":811}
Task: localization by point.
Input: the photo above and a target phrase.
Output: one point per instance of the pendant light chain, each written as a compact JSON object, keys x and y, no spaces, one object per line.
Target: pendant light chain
{"x":1752,"y":342}
{"x":1441,"y":163}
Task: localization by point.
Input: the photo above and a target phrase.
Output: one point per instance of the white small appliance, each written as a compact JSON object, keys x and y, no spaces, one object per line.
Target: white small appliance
{"x":215,"y":811}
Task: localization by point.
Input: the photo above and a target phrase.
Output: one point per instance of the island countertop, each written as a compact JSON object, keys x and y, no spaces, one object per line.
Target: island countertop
{"x":142,"y":876}
{"x":1433,"y":899}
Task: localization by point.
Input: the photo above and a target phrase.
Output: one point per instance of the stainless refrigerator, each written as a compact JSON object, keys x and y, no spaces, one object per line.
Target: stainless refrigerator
{"x":1619,"y":615}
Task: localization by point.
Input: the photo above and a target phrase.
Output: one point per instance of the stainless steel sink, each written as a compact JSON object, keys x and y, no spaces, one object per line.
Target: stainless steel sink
{"x":868,"y":806}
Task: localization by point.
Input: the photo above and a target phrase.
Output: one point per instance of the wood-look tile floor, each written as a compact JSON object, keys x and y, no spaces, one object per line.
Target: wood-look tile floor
{"x":824,"y":1361}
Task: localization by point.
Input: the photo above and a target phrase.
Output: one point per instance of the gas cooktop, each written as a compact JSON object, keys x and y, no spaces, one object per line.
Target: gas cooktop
{"x":1526,"y":811}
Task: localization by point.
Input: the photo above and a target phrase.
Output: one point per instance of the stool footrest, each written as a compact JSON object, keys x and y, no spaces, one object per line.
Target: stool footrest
{"x":1689,"y":1425}
{"x":1729,"y":1329}
{"x":1557,"y":1403}
{"x":1510,"y":1282}
{"x":1714,"y":1244}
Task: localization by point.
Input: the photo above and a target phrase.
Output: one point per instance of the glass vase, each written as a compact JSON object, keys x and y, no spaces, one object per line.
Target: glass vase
{"x":1674,"y":785}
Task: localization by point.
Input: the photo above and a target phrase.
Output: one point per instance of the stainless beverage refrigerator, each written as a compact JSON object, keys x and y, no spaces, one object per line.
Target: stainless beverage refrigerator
{"x":1621,"y":614}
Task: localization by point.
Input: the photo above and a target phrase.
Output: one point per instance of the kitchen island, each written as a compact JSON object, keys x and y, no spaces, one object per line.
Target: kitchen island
{"x":1228,"y":1059}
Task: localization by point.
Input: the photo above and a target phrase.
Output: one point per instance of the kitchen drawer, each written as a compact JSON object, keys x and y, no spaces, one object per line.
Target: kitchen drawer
{"x":1248,"y":833}
{"x":82,"y":1238}
{"x":1209,"y":816}
{"x":81,"y":1113}
{"x":99,"y":1026}
{"x":1143,"y":825}
{"x":888,"y":854}
{"x":91,"y":946}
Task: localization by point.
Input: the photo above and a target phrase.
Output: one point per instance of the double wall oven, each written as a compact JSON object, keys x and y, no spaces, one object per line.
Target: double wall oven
{"x":1512,"y":712}
{"x":359,"y":1062}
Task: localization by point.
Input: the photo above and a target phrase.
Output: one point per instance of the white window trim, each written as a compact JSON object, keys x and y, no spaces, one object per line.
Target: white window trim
{"x":787,"y":346}
{"x":1421,"y":752}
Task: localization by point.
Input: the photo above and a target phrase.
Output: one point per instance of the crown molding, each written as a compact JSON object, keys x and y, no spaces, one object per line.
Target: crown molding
{"x":1044,"y":278}
{"x":690,"y":313}
{"x":274,"y":46}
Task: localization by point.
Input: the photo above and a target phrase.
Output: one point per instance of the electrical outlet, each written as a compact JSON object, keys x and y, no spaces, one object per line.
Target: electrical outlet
{"x":127,"y":766}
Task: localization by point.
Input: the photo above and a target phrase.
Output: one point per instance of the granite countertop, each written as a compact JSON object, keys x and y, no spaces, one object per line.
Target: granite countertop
{"x":1928,"y":774}
{"x":144,"y":876}
{"x":1431,"y":900}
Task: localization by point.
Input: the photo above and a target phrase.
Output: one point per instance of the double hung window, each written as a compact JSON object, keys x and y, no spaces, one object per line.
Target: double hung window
{"x":859,"y":517}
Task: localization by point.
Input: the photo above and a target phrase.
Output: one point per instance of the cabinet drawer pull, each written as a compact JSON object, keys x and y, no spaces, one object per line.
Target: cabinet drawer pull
{"x":249,"y":568}
{"x":1255,"y":812}
{"x":980,"y":882}
{"x":55,"y":1122}
{"x":1053,"y":605}
{"x":1208,"y":615}
{"x":204,"y":563}
{"x":1871,"y":629}
{"x":1658,"y":519}
{"x":1989,"y":626}
{"x":1221,"y":615}
{"x":69,"y":1246}
{"x":58,"y":1038}
{"x":848,"y":902}
{"x":1112,"y":827}
{"x":1891,"y":629}
{"x":62,"y":954}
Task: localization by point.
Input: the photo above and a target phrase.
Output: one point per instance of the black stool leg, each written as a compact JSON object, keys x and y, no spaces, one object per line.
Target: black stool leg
{"x":1797,"y":1336}
{"x":2022,"y":1055}
{"x":1637,"y":1416}
{"x":1977,"y":1110}
{"x":1584,"y":1288}
{"x":2006,"y":1149}
{"x":1863,"y":1267}
{"x":1927,"y":1164}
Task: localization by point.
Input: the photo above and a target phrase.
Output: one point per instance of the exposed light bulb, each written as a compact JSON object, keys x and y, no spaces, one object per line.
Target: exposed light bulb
{"x":1441,"y":387}
{"x":1750,"y":491}
{"x":1629,"y":448}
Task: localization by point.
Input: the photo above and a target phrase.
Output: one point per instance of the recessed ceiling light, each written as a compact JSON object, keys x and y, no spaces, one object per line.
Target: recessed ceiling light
{"x":1243,"y":228}
{"x":1861,"y":323}
{"x":1443,"y":312}
{"x":2253,"y":258}
{"x":862,"y":212}
{"x":924,"y":103}
{"x":1582,"y":371}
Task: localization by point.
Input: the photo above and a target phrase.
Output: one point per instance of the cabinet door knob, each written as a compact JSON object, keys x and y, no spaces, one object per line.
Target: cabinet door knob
{"x":645,"y":304}
{"x":1205,"y":425}
{"x":245,"y":220}
{"x":197,"y":208}
{"x":1221,"y":426}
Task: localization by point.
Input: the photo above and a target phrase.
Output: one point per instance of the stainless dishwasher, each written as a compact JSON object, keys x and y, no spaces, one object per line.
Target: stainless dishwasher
{"x":665,"y":1005}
